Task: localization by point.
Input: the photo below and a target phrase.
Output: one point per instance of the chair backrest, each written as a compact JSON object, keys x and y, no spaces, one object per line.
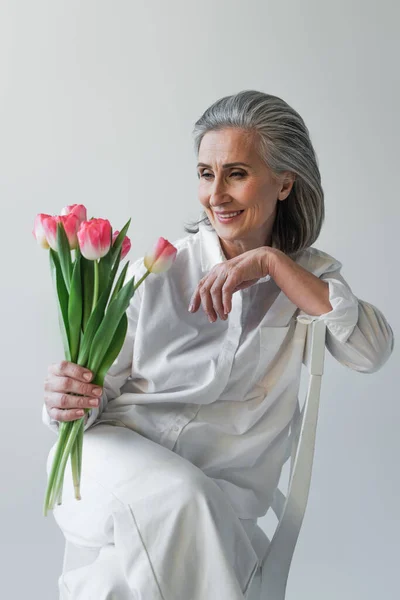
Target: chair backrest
{"x":290,"y":509}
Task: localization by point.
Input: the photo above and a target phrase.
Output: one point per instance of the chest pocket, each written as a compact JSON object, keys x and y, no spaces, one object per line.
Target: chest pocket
{"x":273,"y":342}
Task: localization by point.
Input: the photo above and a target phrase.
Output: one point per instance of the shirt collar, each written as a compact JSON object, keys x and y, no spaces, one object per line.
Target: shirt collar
{"x":211,"y":250}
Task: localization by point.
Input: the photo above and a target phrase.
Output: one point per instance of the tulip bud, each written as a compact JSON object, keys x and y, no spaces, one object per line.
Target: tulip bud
{"x":38,"y":230}
{"x":126,"y":244}
{"x":161,"y":258}
{"x":94,"y":238}
{"x":77,"y":209}
{"x":70,"y":223}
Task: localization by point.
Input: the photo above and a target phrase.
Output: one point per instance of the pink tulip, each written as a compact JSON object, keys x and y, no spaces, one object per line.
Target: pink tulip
{"x":71,"y":225}
{"x":126,"y":244}
{"x":38,"y":230}
{"x":94,"y":238}
{"x":77,"y":209}
{"x":161,"y":258}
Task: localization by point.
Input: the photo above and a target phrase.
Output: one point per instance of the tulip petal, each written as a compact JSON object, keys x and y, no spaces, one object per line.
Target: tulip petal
{"x":94,"y":238}
{"x":161,"y":257}
{"x":39,"y":232}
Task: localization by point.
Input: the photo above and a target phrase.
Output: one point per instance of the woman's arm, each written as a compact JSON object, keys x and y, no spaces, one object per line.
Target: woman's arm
{"x":358,"y":335}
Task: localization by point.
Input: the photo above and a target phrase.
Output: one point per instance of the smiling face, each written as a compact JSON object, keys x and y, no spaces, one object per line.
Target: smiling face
{"x":233,"y":177}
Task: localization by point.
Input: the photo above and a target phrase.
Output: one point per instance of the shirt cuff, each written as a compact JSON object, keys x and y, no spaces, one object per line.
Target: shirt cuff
{"x":343,"y":317}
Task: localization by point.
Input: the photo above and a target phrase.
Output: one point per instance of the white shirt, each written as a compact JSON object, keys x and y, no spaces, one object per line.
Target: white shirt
{"x":223,"y":394}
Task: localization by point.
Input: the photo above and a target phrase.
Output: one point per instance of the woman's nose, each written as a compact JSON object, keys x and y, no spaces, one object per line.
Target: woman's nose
{"x":218,"y":190}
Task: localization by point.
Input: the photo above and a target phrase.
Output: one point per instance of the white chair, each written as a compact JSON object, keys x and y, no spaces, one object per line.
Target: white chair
{"x":269,"y":582}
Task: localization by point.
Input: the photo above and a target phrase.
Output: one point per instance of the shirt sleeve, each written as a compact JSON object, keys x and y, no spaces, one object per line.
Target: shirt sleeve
{"x":357,"y":335}
{"x":121,"y":369}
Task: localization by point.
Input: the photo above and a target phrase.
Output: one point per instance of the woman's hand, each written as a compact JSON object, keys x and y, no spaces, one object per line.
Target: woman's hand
{"x":215,"y":290}
{"x":63,"y":381}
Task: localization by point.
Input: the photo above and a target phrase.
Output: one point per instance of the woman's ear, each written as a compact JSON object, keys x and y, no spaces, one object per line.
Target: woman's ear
{"x":287,"y":181}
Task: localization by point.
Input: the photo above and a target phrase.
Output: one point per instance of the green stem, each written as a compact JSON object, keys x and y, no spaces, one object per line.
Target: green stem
{"x":67,"y":450}
{"x":141,"y":279}
{"x":59,"y":495}
{"x":96,"y":284}
{"x":62,"y":436}
{"x":70,"y":440}
{"x":80,"y":448}
{"x":76,"y":462}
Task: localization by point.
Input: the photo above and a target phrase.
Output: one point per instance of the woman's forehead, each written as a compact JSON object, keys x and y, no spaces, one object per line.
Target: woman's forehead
{"x":228,"y":145}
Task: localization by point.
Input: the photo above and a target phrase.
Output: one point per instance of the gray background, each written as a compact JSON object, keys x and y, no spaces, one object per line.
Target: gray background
{"x":97,"y":103}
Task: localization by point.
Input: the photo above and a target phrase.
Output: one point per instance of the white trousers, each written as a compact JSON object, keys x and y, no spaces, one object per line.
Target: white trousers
{"x":163,"y":529}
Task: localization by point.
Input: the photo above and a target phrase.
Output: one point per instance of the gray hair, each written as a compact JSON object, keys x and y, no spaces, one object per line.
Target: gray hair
{"x":284,"y":144}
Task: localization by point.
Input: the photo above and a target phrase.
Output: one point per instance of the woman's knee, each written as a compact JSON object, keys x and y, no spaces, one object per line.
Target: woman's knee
{"x":121,"y":467}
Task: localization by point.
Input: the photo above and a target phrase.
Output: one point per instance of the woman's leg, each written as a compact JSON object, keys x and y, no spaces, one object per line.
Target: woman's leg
{"x":174,"y":533}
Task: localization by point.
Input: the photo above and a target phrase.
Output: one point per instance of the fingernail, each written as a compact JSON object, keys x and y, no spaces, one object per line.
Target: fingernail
{"x":191,"y":307}
{"x":93,"y":402}
{"x":97,"y":391}
{"x":79,"y":413}
{"x":87,"y":376}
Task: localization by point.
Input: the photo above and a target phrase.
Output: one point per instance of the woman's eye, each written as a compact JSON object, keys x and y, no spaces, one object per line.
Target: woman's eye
{"x":238,"y":174}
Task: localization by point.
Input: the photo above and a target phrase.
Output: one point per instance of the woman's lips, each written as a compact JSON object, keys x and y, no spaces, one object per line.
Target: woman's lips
{"x":229,"y":219}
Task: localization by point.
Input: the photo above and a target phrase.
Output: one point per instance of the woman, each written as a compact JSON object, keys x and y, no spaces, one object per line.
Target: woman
{"x":185,"y":447}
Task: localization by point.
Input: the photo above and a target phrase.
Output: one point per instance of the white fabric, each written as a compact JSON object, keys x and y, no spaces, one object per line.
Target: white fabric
{"x":159,"y":528}
{"x":222,"y":394}
{"x":211,"y":399}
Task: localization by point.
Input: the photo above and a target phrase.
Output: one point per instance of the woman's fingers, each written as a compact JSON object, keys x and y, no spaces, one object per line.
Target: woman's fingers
{"x":62,"y":378}
{"x":65,"y":415}
{"x":69,"y":369}
{"x":216,"y":293}
{"x":66,"y":407}
{"x":72,"y":386}
{"x":208,"y":294}
{"x":67,"y":393}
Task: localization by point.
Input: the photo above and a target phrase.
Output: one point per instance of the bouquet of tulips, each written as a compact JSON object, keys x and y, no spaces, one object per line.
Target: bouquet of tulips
{"x":91,"y":309}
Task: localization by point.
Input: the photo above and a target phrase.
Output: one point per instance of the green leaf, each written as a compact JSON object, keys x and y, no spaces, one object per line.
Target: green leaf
{"x":118,"y":242}
{"x":113,"y":350}
{"x":109,"y":325}
{"x":95,"y":320}
{"x":120,"y":281}
{"x":87,"y":277}
{"x":75,"y":309}
{"x":64,"y":254}
{"x":63,"y":300}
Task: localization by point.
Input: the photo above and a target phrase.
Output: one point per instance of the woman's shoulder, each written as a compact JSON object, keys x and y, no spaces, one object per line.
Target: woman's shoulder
{"x":317,"y":261}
